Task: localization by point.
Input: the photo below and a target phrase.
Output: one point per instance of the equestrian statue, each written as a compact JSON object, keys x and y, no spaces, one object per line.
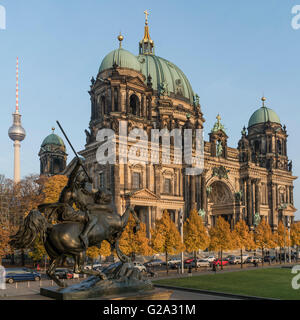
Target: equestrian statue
{"x":95,"y":219}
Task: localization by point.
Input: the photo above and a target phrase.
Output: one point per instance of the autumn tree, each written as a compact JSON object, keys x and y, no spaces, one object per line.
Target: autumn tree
{"x":263,"y":237}
{"x":295,"y":237}
{"x":281,"y":238}
{"x":135,"y":243}
{"x":242,"y":238}
{"x":4,"y":239}
{"x":195,"y":234}
{"x":165,"y":237}
{"x":220,"y":237}
{"x":52,"y":187}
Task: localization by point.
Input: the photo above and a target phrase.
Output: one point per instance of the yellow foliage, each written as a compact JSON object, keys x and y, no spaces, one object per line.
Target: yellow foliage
{"x":138,"y":242}
{"x":295,"y":234}
{"x":194,"y":233}
{"x":263,"y":235}
{"x":242,"y":238}
{"x":220,"y":236}
{"x":105,"y":249}
{"x":38,"y":252}
{"x":166,"y":237}
{"x":53,"y":187}
{"x":4,"y":239}
{"x":281,"y":237}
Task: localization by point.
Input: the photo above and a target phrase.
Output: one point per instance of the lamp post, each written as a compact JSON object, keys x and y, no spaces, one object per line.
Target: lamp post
{"x":181,"y":234}
{"x":289,"y":248}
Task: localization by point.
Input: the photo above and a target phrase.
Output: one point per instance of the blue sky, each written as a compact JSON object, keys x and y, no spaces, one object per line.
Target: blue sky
{"x":231,"y":51}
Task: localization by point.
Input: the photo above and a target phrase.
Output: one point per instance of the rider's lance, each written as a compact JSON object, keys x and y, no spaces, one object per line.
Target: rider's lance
{"x":62,"y":130}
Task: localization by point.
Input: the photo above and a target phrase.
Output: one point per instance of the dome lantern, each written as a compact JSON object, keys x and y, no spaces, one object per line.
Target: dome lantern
{"x":146,"y":45}
{"x":263,"y":115}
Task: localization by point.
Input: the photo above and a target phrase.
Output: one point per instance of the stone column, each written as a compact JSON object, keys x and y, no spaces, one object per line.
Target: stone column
{"x":125,"y":177}
{"x":157,"y":169}
{"x":203,"y":192}
{"x":112,"y":95}
{"x":257,"y":195}
{"x":149,"y":109}
{"x":143,"y":106}
{"x":127,"y":101}
{"x":273,"y":218}
{"x":117,"y":187}
{"x":249,"y":203}
{"x":148,"y":176}
{"x":292,"y":194}
{"x":149,"y":222}
{"x":193,"y":192}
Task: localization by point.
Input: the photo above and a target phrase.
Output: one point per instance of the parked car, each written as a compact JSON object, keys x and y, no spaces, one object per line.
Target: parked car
{"x":154,"y":263}
{"x":218,"y":262}
{"x":91,"y":267}
{"x":188,"y":260}
{"x":201,"y":263}
{"x":230,"y":257}
{"x":253,"y":259}
{"x":63,"y":273}
{"x":210,"y":258}
{"x":269,"y":258}
{"x":174,"y":261}
{"x":23,"y":274}
{"x":139,"y":266}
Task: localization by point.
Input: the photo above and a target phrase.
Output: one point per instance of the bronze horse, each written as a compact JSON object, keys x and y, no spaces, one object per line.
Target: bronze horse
{"x":61,"y":240}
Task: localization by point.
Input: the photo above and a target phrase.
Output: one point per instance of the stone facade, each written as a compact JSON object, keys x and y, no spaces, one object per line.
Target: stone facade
{"x":236,"y":183}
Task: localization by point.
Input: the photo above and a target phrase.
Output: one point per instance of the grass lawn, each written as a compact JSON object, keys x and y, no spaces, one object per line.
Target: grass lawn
{"x":271,"y":283}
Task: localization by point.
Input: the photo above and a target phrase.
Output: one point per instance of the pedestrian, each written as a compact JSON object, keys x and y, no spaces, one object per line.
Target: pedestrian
{"x":214,"y":268}
{"x":38,"y":267}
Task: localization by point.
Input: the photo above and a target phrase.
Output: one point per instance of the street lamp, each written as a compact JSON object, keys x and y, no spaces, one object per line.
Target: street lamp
{"x":181,"y":234}
{"x":289,"y":248}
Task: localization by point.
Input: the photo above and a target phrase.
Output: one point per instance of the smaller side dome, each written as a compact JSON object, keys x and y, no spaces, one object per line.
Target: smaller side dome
{"x":122,"y":58}
{"x":53,"y":139}
{"x":263,"y":115}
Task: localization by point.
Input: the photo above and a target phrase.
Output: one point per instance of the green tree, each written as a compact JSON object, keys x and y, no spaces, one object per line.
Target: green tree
{"x":195,"y":234}
{"x":166,"y":237}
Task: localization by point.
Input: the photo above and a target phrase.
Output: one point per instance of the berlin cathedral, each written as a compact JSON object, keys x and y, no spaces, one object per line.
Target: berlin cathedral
{"x":252,"y":182}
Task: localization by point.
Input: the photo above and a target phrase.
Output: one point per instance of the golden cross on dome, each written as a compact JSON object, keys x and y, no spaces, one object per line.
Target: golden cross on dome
{"x":218,"y":118}
{"x":146,"y":14}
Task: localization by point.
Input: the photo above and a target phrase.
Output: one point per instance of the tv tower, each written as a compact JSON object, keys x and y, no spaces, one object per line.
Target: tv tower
{"x":16,"y":132}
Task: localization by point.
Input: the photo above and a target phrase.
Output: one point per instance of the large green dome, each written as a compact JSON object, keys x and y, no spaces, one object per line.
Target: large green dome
{"x":122,"y":58}
{"x":53,"y":139}
{"x":165,"y":72}
{"x":263,"y":115}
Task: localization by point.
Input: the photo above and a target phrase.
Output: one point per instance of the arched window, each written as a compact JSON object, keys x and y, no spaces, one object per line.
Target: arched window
{"x":256,"y":146}
{"x":102,"y":105}
{"x":279,"y":147}
{"x":134,"y":105}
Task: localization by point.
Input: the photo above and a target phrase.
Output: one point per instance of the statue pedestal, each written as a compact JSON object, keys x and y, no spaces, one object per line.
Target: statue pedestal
{"x":153,"y":294}
{"x":116,"y":289}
